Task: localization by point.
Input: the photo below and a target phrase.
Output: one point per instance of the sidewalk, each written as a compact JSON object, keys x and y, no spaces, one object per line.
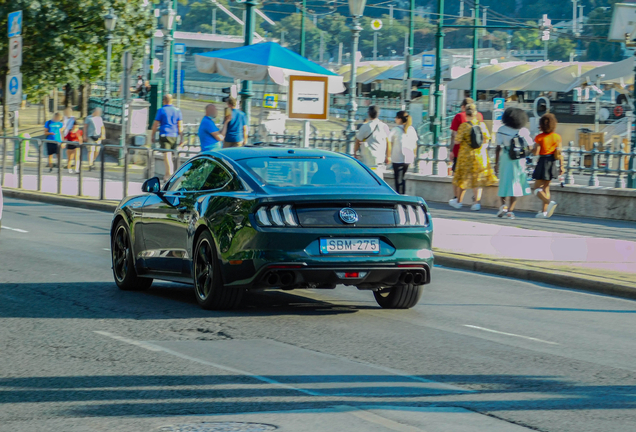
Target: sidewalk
{"x":601,"y":251}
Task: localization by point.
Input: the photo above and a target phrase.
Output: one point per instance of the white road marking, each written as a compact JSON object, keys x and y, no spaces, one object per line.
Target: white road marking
{"x":510,"y":334}
{"x":106,"y":249}
{"x":370,"y":417}
{"x":15,"y":229}
{"x":153,"y":347}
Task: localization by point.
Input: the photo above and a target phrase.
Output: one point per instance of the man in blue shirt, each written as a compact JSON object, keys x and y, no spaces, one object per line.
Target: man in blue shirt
{"x":169,"y":121}
{"x":236,"y":131}
{"x":209,"y":135}
{"x":53,"y":132}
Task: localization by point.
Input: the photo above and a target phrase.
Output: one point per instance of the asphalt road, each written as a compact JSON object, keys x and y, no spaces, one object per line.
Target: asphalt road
{"x":479,"y":353}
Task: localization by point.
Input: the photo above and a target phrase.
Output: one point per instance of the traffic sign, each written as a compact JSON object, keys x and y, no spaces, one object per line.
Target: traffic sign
{"x":15,"y":52}
{"x":376,"y":24}
{"x":15,"y":23}
{"x":179,"y":49}
{"x":428,"y":62}
{"x":270,"y":101}
{"x":499,"y":103}
{"x":14,"y":95}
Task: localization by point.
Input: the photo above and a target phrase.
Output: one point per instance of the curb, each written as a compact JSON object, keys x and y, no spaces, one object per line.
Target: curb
{"x":65,"y":200}
{"x":551,"y":277}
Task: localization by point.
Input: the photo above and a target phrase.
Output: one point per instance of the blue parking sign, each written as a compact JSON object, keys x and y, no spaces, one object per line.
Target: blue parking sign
{"x":15,"y":24}
{"x":499,"y":103}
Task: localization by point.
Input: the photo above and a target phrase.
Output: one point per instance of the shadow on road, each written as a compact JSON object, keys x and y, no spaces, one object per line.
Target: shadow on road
{"x":97,"y":300}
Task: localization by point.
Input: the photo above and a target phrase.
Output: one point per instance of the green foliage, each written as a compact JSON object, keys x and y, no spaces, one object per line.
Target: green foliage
{"x":65,"y":40}
{"x":199,"y":19}
{"x":599,"y":48}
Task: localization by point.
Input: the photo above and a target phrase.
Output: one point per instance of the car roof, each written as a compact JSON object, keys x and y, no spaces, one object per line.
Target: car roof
{"x":249,"y":152}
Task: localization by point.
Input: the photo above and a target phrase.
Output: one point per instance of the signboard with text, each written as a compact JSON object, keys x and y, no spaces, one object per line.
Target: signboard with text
{"x":428,"y":62}
{"x":179,"y":49}
{"x":308,"y":97}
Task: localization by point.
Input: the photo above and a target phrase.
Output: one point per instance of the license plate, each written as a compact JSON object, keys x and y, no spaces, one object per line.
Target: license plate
{"x":349,"y":245}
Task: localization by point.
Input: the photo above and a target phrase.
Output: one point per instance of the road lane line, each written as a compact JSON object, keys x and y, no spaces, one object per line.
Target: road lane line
{"x":14,"y":229}
{"x":153,"y":347}
{"x":510,"y":334}
{"x":370,"y":417}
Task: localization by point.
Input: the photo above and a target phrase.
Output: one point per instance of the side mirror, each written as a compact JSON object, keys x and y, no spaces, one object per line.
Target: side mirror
{"x":151,"y":185}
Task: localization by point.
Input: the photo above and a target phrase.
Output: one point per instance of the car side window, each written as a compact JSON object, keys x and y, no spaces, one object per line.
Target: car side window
{"x":192,"y":177}
{"x":217,"y":178}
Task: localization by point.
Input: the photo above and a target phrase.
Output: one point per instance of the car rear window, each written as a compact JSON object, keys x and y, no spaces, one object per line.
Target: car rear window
{"x":318,"y":172}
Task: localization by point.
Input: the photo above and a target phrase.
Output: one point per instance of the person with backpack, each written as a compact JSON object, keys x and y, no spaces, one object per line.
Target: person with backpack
{"x":514,"y":139}
{"x":458,"y":120}
{"x":548,"y":147}
{"x":372,"y":141}
{"x":473,"y":165}
{"x":403,"y":143}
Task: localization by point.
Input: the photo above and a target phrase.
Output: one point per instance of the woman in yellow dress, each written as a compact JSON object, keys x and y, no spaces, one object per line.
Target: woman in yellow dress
{"x":473,"y":165}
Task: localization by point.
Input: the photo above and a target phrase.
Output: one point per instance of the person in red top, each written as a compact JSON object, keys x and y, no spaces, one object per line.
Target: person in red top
{"x":458,"y":120}
{"x":73,"y":150}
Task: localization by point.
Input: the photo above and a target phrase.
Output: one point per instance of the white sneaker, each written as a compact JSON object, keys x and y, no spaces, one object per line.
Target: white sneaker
{"x":551,"y":207}
{"x":537,"y":190}
{"x":475,"y":207}
{"x":453,"y":203}
{"x":502,"y":211}
{"x":542,"y":215}
{"x":70,"y":171}
{"x":509,"y":215}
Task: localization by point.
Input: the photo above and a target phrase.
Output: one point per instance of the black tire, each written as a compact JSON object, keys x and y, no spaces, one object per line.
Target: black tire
{"x":123,"y":265}
{"x":208,"y":283}
{"x":399,"y":297}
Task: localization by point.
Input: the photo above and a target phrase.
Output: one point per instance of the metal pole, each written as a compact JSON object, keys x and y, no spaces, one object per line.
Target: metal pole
{"x":302,"y":28}
{"x":214,"y":20}
{"x":172,"y":29}
{"x":282,"y":37}
{"x":109,"y":38}
{"x":545,"y":50}
{"x":375,"y":46}
{"x":483,"y":33}
{"x":461,"y":8}
{"x":167,"y":53}
{"x":352,"y":106}
{"x":179,"y":81}
{"x":437,"y":122}
{"x":409,"y":55}
{"x":322,"y":47}
{"x":473,"y":67}
{"x":631,"y":176}
{"x":391,"y":15}
{"x":340,"y":48}
{"x":574,"y":27}
{"x":246,"y":92}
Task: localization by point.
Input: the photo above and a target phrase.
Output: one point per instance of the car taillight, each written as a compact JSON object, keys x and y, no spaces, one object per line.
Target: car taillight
{"x":411,"y":215}
{"x":276,"y":216}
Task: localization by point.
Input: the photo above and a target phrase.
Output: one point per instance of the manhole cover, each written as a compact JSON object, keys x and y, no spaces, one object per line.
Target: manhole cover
{"x":219,"y":427}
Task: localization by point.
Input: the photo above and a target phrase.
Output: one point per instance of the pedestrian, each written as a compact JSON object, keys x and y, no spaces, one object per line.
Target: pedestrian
{"x":53,"y":134}
{"x":143,"y":89}
{"x":548,"y":148}
{"x":209,"y":135}
{"x":458,"y":120}
{"x":169,"y":121}
{"x":73,"y":150}
{"x":235,"y":127}
{"x":68,"y":120}
{"x":513,"y":180}
{"x":372,"y":141}
{"x":403,"y":143}
{"x":473,"y":165}
{"x":94,"y":133}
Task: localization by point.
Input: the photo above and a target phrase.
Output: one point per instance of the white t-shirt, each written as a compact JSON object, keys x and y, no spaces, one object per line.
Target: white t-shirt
{"x":94,"y":126}
{"x":374,"y":135}
{"x":403,"y":144}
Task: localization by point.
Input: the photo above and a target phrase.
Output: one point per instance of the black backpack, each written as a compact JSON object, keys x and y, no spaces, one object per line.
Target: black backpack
{"x":476,"y":136}
{"x":518,"y":148}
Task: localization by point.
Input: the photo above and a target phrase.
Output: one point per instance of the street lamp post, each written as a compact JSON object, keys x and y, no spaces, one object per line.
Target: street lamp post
{"x":302,"y":28}
{"x":437,"y":121}
{"x":356,"y":7}
{"x":473,"y":67}
{"x":109,"y":22}
{"x":167,"y":21}
{"x":409,"y":56}
{"x":246,"y":91}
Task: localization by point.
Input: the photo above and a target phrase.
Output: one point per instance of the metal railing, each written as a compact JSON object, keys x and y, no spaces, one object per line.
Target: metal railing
{"x":111,"y":108}
{"x":615,"y":161}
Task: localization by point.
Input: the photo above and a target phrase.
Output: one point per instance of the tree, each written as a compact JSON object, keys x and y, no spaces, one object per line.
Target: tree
{"x":65,"y":40}
{"x":199,"y":19}
{"x":599,"y":48}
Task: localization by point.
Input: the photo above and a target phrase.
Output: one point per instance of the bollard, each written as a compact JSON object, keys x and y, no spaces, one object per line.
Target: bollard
{"x":59,"y":168}
{"x":39,"y":185}
{"x":569,"y":177}
{"x":594,"y":177}
{"x":80,"y":175}
{"x":620,"y":180}
{"x":435,"y":157}
{"x":102,"y":172}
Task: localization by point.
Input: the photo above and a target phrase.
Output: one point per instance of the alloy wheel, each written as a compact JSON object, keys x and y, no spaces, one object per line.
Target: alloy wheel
{"x":204,"y":270}
{"x":121,"y":252}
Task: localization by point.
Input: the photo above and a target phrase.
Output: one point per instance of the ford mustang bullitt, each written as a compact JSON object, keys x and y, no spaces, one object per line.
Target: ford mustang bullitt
{"x":253,"y":218}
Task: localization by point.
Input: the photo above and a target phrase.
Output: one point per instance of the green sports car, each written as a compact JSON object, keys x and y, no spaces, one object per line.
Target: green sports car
{"x":254,"y":218}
